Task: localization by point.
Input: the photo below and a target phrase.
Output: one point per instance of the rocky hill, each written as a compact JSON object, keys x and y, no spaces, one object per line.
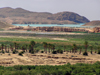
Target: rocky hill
{"x":22,"y":16}
{"x":4,"y":25}
{"x":93,"y":23}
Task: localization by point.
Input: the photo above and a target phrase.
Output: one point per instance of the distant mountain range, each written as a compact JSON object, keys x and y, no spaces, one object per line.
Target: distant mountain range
{"x":22,"y":16}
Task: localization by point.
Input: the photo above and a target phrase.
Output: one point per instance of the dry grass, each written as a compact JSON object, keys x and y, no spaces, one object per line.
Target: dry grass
{"x":47,"y":59}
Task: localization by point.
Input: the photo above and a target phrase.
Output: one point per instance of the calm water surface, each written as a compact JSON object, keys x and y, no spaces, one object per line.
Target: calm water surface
{"x":52,"y":25}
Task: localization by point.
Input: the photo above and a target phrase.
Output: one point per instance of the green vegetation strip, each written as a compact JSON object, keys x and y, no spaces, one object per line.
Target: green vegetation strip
{"x":68,"y":69}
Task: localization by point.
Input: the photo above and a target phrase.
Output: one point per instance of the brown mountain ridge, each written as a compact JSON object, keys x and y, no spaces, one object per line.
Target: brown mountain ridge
{"x":93,"y":23}
{"x":22,"y":16}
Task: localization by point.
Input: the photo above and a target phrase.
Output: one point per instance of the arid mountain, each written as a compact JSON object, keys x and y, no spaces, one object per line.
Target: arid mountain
{"x":93,"y":23}
{"x":5,"y":25}
{"x":22,"y":16}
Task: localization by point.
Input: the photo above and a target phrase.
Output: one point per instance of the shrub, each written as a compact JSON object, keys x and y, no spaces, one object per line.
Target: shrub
{"x":54,"y":52}
{"x":9,"y":54}
{"x":85,"y":53}
{"x":91,"y":52}
{"x":37,"y":50}
{"x":60,"y":51}
{"x":21,"y":54}
{"x":7,"y":51}
{"x":42,"y":51}
{"x":98,"y":52}
{"x":14,"y":52}
{"x":3,"y":52}
{"x":32,"y":52}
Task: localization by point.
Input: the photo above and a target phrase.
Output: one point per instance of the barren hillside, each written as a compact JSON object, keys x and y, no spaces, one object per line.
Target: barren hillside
{"x":93,"y":23}
{"x":22,"y":16}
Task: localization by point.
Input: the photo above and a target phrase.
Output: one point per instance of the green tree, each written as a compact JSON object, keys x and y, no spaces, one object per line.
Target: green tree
{"x":2,"y":46}
{"x":32,"y":44}
{"x":11,"y":47}
{"x":74,"y":48}
{"x":15,"y":44}
{"x":64,"y":47}
{"x":86,"y":45}
{"x":5,"y":48}
{"x":45,"y":46}
{"x":80,"y":50}
{"x":8,"y":47}
{"x":26,"y":47}
{"x":48,"y":45}
{"x":91,"y":47}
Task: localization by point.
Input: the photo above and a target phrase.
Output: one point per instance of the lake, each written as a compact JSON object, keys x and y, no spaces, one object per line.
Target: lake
{"x":52,"y":25}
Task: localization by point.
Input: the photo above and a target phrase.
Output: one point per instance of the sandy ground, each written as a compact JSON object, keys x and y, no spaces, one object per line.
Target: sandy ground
{"x":9,"y":59}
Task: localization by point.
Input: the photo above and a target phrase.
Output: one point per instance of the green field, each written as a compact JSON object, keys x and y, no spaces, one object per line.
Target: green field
{"x":69,"y":40}
{"x":68,"y":69}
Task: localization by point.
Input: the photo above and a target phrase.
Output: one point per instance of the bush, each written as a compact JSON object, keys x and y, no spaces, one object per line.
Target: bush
{"x":21,"y":54}
{"x":3,"y":52}
{"x":85,"y":53}
{"x":32,"y":52}
{"x":42,"y":51}
{"x":60,"y":51}
{"x":37,"y":50}
{"x":9,"y":54}
{"x":98,"y":52}
{"x":14,"y":52}
{"x":91,"y":52}
{"x":54,"y":52}
{"x":7,"y":51}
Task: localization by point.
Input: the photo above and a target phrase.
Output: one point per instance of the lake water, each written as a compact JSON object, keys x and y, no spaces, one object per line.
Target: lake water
{"x":52,"y":25}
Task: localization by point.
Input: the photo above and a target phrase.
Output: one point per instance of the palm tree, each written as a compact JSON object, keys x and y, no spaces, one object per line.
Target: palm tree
{"x":48,"y":45}
{"x":80,"y":50}
{"x":91,"y":47}
{"x":5,"y":48}
{"x":53,"y":47}
{"x":32,"y":44}
{"x":45,"y":46}
{"x":15,"y":44}
{"x":74,"y":48}
{"x":8,"y":47}
{"x":23,"y":47}
{"x":98,"y":49}
{"x":64,"y":48}
{"x":26,"y":47}
{"x":2,"y":46}
{"x":86,"y":46}
{"x":11,"y":47}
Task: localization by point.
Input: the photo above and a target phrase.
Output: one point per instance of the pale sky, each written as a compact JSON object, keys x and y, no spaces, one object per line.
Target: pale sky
{"x":87,"y":8}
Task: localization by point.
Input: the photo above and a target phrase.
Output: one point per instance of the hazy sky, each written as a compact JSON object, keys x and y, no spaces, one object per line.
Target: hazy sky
{"x":87,"y":8}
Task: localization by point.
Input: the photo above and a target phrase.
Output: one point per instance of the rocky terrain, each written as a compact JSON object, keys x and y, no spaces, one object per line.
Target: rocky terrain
{"x":93,"y":23}
{"x":22,"y":16}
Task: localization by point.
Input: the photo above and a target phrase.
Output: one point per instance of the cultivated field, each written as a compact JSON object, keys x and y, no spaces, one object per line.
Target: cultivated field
{"x":61,"y":41}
